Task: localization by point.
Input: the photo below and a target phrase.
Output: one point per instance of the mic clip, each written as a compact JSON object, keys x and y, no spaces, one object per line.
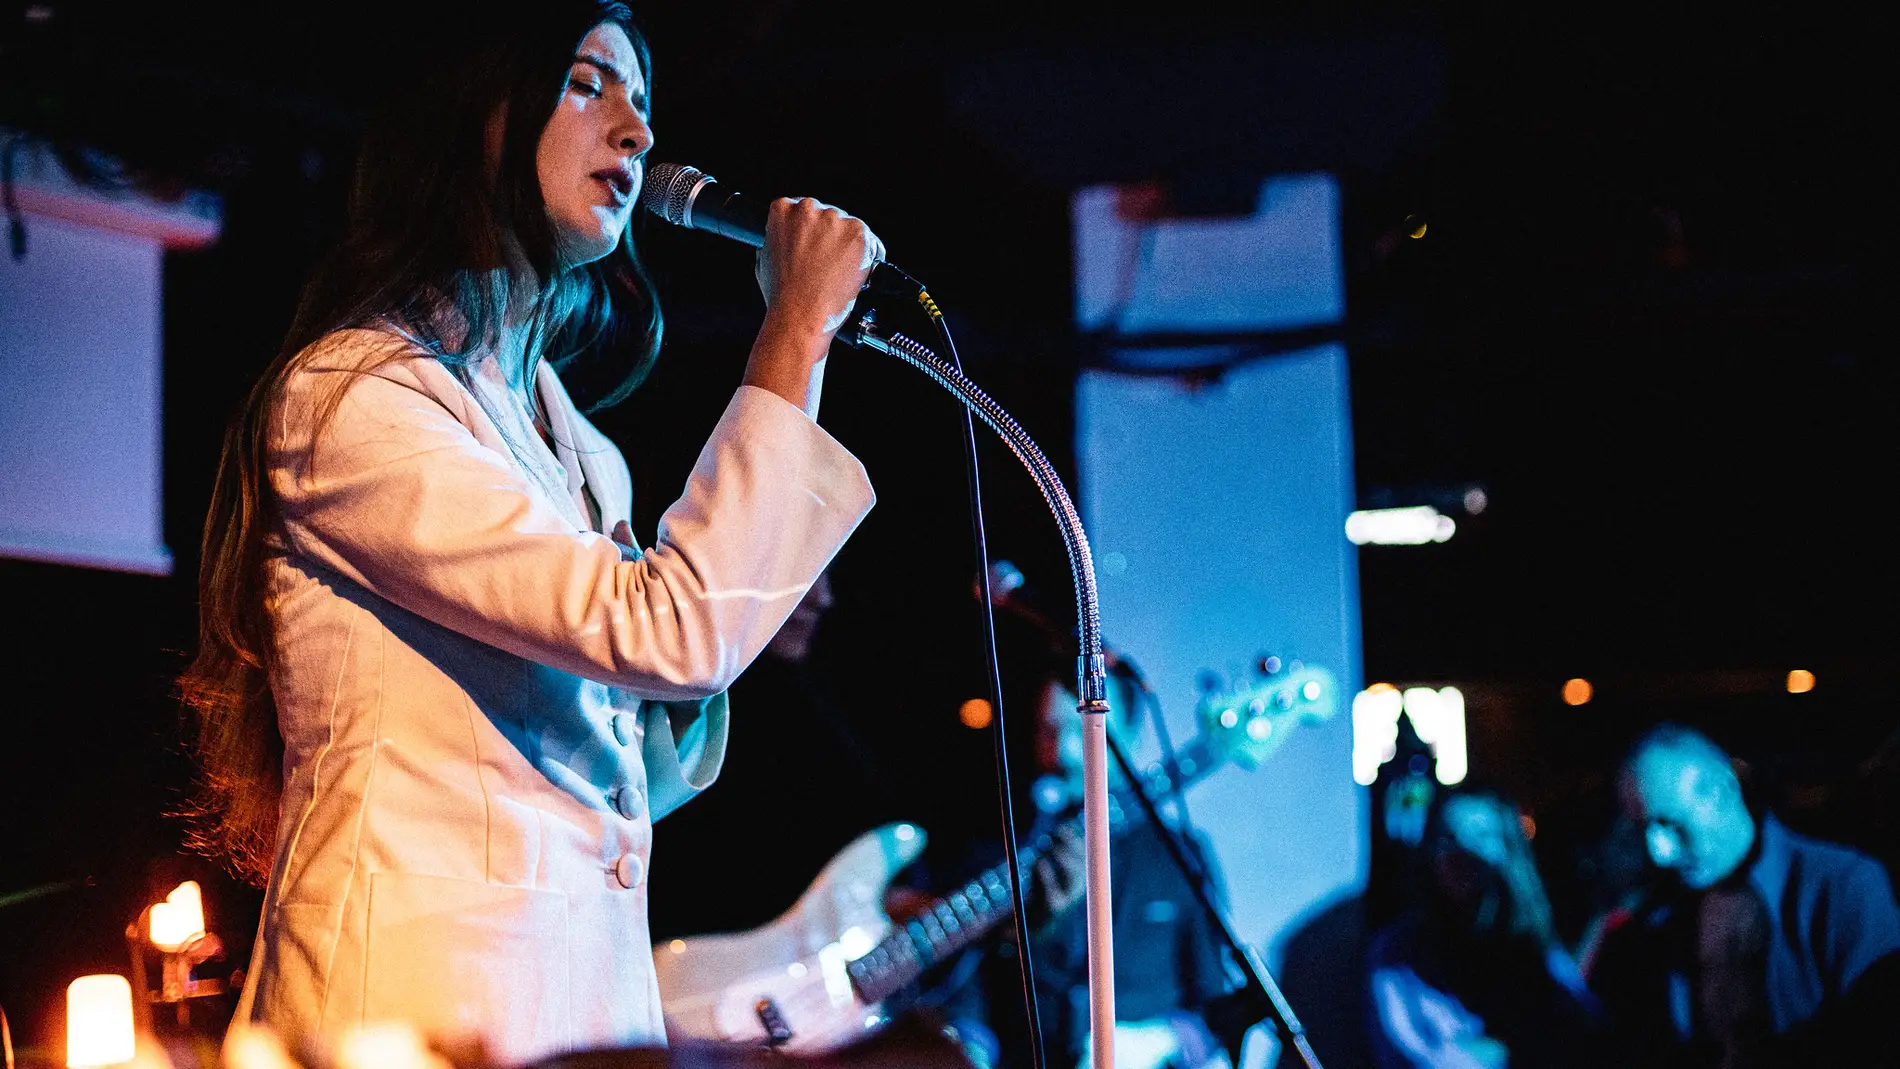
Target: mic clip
{"x":887,"y":282}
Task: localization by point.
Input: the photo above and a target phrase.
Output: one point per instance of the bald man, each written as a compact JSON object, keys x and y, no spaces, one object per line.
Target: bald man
{"x":1767,"y":947}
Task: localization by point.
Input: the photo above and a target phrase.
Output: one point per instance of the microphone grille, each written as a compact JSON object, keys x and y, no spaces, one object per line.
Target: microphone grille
{"x":669,"y":190}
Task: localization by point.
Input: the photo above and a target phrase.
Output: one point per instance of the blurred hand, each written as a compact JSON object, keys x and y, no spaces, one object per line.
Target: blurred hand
{"x":1529,"y":904}
{"x":1061,"y":872}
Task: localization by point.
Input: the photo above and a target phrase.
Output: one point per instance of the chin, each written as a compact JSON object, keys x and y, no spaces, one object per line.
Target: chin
{"x":590,"y":239}
{"x":588,"y":250}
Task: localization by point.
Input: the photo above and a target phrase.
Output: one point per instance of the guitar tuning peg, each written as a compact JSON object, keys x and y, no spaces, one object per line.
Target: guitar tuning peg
{"x":1267,"y":665}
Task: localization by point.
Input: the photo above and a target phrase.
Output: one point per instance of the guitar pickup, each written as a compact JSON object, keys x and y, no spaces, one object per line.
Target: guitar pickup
{"x":778,"y":1031}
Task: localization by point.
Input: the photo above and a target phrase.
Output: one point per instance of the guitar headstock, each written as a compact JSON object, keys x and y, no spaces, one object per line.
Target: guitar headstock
{"x":1248,"y":723}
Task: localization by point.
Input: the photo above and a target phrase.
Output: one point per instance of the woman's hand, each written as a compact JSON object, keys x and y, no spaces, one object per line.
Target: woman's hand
{"x":815,"y":260}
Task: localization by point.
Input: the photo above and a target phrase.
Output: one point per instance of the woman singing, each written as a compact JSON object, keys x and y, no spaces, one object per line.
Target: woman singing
{"x":441,"y":697}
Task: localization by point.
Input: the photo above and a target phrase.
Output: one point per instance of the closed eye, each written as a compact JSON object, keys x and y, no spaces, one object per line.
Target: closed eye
{"x":584,"y":87}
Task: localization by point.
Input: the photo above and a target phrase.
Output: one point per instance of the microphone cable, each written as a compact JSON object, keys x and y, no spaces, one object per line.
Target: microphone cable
{"x":1170,"y":757}
{"x":1005,"y":796}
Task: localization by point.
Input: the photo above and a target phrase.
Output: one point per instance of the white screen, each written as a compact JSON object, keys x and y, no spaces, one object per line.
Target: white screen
{"x":79,"y":399}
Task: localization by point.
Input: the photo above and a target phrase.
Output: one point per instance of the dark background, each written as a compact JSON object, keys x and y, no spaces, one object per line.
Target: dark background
{"x":1647,"y":316}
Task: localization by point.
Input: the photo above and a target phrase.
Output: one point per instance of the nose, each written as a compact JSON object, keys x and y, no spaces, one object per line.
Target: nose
{"x":632,"y":136}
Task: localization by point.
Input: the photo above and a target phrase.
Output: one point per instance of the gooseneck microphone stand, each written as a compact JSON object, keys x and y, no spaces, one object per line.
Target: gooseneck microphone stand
{"x":1259,"y":997}
{"x":1091,"y":668}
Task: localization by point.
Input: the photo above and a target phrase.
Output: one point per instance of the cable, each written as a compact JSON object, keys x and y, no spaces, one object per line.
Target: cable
{"x":1176,"y":791}
{"x":1005,"y":797}
{"x":16,"y":219}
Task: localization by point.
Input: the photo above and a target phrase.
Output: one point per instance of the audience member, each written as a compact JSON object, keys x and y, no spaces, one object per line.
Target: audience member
{"x":1473,"y":976}
{"x":1757,"y":945}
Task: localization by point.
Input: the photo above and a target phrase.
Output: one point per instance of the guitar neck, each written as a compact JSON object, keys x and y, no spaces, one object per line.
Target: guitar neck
{"x":949,"y":925}
{"x":974,"y":910}
{"x":1193,"y":763}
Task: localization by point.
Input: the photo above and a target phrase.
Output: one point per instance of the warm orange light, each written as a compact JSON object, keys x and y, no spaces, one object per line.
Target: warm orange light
{"x":1377,"y":688}
{"x":98,"y":1021}
{"x":1577,"y":691}
{"x":975,"y":713}
{"x":1530,"y":826}
{"x":180,"y":918}
{"x":1800,"y":681}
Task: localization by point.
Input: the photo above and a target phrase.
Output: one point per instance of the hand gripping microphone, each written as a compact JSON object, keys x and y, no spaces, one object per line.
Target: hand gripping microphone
{"x":689,"y":197}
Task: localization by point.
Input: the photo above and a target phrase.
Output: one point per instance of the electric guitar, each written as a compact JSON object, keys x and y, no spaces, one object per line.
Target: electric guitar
{"x":820,"y":976}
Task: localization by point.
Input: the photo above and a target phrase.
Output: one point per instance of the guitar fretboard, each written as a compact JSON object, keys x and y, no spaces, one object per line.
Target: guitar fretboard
{"x":950,"y":924}
{"x":973,"y":911}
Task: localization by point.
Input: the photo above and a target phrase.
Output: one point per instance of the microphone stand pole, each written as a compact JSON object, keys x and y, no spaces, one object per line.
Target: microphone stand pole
{"x":1091,"y":668}
{"x":1259,"y":997}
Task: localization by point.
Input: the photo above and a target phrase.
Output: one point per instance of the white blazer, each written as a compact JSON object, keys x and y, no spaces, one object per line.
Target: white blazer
{"x":485,"y":705}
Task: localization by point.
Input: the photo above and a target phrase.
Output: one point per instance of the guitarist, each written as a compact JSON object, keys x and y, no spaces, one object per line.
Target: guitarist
{"x":1168,"y":960}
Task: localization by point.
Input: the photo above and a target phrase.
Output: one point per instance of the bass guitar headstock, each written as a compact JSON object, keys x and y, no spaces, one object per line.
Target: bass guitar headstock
{"x":1248,"y":723}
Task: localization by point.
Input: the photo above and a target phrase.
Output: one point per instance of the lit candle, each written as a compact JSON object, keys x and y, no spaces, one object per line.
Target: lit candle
{"x":98,"y":1021}
{"x":178,"y":919}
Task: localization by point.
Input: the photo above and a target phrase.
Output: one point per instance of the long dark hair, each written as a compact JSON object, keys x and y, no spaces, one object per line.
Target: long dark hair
{"x":443,"y":241}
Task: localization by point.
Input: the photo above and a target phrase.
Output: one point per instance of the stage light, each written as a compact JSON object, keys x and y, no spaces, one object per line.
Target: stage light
{"x":1438,"y":716}
{"x":99,"y":1021}
{"x":1476,"y":500}
{"x":975,"y":713}
{"x":1375,"y":730}
{"x":1800,"y":681}
{"x":1578,"y":691}
{"x":1413,"y":526}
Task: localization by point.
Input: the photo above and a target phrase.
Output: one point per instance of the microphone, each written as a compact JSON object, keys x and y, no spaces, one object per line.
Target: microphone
{"x":689,"y":197}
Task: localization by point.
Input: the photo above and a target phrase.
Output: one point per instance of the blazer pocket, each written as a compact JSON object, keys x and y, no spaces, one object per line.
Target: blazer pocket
{"x":459,"y":956}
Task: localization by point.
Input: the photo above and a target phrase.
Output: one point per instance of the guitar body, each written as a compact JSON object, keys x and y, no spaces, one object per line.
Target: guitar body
{"x":785,"y":984}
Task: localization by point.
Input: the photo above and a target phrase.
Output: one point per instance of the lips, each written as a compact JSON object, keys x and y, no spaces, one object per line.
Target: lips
{"x":618,"y":181}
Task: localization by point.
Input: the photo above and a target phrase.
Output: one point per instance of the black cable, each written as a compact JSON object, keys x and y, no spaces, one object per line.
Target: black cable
{"x":1004,"y":794}
{"x":16,"y":219}
{"x":1177,"y":791}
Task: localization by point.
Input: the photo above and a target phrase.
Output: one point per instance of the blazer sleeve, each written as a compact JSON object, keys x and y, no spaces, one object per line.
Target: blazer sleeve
{"x":400,"y":495}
